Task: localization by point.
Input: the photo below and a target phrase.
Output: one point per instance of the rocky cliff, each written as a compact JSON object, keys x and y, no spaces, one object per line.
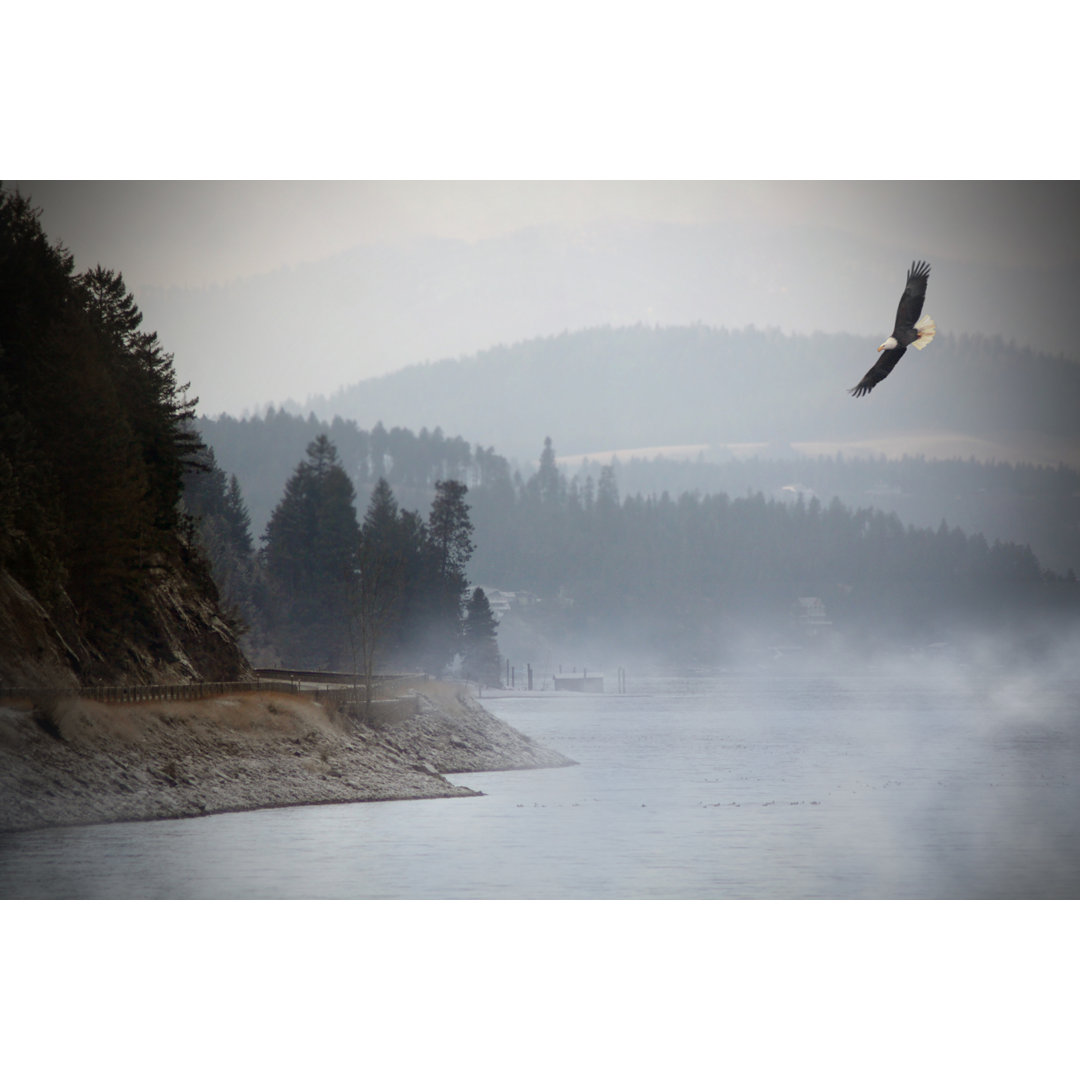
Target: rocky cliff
{"x":181,"y":636}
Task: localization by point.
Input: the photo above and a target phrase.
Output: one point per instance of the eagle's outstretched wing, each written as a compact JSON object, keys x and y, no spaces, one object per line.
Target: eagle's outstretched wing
{"x":911,"y":302}
{"x":886,"y":362}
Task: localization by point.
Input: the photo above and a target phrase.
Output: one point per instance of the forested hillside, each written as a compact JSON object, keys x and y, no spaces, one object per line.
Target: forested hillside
{"x":1037,"y":505}
{"x":698,"y":573}
{"x":99,"y":578}
{"x":615,"y":388}
{"x":1024,"y":504}
{"x":685,"y":575}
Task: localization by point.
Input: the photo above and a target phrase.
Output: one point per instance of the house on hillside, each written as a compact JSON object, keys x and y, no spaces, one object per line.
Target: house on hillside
{"x":501,"y":602}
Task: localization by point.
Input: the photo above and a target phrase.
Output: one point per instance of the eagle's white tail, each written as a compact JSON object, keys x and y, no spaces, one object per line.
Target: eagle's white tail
{"x":927,"y":330}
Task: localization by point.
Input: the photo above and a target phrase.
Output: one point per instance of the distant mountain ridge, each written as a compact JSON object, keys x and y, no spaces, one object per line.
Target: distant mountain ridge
{"x":379,"y":308}
{"x":643,"y":385}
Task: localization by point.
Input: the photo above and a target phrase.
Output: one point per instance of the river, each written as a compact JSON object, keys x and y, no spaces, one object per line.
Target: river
{"x":932,"y":782}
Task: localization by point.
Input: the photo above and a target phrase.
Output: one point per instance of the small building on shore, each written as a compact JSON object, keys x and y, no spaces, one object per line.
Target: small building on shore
{"x":581,"y":682}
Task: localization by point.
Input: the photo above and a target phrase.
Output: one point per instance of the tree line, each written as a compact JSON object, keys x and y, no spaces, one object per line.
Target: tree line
{"x":264,"y":450}
{"x":1023,"y":503}
{"x":694,"y":562}
{"x":327,"y":591}
{"x":666,"y":571}
{"x":1012,"y":501}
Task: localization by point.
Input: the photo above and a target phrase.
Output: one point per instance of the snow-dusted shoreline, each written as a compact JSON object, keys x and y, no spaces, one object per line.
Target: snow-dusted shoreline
{"x":77,"y":762}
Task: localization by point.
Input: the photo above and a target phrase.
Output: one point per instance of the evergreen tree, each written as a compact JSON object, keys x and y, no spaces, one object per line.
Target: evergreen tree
{"x":607,"y":491}
{"x":159,"y":411}
{"x":550,"y":482}
{"x":450,"y":531}
{"x":419,"y":590}
{"x":449,"y":546}
{"x":310,"y":550}
{"x":237,"y":518}
{"x":480,"y":649}
{"x":219,"y":520}
{"x":379,"y":582}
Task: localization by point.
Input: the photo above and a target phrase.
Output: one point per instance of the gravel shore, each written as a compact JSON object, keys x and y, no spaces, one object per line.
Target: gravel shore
{"x":78,"y":762}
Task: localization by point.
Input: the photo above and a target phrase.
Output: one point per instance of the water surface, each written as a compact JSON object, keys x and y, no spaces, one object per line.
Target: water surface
{"x":752,"y":784}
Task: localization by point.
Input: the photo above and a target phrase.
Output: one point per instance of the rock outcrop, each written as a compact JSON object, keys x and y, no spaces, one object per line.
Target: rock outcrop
{"x":181,"y":635}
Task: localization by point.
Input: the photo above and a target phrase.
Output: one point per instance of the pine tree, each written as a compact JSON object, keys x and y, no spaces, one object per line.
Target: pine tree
{"x":420,"y":588}
{"x":449,"y":546}
{"x":236,"y":515}
{"x":450,"y":530}
{"x":310,"y":550}
{"x":480,"y":649}
{"x":219,"y":520}
{"x":379,"y":582}
{"x":551,"y":483}
{"x":158,"y":411}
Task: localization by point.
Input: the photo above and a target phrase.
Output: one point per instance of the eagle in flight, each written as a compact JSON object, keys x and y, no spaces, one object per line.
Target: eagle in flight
{"x":909,"y":329}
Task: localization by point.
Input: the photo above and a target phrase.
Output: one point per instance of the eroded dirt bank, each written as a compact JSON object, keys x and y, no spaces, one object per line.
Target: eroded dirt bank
{"x":77,"y":762}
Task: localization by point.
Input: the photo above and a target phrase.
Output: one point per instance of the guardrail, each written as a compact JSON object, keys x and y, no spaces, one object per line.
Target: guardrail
{"x":345,"y":677}
{"x":283,"y":683}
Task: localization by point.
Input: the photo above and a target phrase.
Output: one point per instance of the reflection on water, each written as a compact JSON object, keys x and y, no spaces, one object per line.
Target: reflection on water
{"x":741,"y":785}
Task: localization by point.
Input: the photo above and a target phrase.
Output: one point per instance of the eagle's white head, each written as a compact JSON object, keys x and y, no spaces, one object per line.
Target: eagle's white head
{"x":888,"y":343}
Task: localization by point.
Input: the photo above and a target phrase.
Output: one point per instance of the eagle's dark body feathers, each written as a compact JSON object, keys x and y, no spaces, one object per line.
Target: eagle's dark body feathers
{"x":905,"y":332}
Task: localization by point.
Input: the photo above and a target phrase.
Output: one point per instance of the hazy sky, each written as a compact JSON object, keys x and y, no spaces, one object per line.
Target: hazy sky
{"x":411,"y":302}
{"x":162,"y":233}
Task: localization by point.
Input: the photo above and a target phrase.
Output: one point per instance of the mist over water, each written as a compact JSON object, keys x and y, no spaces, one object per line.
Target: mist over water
{"x":926,"y":776}
{"x":919,"y":777}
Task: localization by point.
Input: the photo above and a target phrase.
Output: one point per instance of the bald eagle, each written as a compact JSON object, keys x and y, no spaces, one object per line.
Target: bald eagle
{"x":907,"y":330}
